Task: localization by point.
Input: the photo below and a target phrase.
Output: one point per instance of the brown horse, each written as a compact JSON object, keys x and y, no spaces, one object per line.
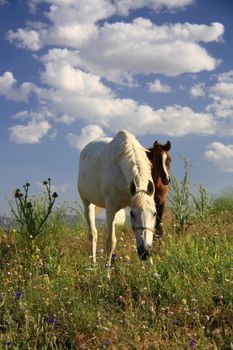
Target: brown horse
{"x":160,"y":160}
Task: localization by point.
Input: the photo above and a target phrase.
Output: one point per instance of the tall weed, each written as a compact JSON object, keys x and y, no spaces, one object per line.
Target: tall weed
{"x":31,"y":214}
{"x":179,"y":200}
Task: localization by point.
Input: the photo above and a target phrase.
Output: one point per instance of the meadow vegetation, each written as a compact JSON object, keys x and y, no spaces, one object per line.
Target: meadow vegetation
{"x":50,"y":298}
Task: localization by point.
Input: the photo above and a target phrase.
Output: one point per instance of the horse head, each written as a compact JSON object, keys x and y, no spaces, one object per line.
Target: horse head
{"x":160,"y":159}
{"x":143,"y":215}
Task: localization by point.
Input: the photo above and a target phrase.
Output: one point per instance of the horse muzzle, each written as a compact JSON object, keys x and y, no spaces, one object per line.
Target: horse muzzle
{"x":143,"y":253}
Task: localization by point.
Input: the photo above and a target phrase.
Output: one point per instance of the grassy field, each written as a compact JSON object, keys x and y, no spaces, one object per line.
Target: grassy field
{"x":51,"y":299}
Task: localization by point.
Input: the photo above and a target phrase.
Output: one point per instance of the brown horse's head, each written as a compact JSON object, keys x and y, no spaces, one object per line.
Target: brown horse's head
{"x":160,"y":160}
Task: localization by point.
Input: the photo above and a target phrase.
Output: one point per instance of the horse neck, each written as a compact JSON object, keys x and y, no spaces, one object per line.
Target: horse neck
{"x":156,"y":175}
{"x":133,"y":171}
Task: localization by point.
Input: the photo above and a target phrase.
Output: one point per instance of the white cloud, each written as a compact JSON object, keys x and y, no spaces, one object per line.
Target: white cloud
{"x":221,"y":156}
{"x":25,"y":38}
{"x":198,"y":90}
{"x":221,"y":106}
{"x":77,"y":95}
{"x":10,"y":90}
{"x":30,"y":133}
{"x":101,"y":9}
{"x":66,"y":119}
{"x":88,"y":134}
{"x":142,"y":47}
{"x":223,"y":89}
{"x":65,"y":77}
{"x":226,"y":77}
{"x":124,"y":6}
{"x":157,"y":86}
{"x":114,"y":50}
{"x":7,"y":82}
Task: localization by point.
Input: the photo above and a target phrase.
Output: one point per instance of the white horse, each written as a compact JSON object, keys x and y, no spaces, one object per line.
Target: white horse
{"x":115,"y":174}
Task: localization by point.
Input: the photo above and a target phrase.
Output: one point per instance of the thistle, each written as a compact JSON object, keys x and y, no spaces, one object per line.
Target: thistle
{"x":32,"y":214}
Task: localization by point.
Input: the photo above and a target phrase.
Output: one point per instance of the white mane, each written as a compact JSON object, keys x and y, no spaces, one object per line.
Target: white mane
{"x":132,"y":159}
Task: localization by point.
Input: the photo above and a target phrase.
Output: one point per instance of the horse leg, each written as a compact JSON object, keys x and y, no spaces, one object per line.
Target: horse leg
{"x":89,"y":212}
{"x":110,"y":234}
{"x":159,"y":223}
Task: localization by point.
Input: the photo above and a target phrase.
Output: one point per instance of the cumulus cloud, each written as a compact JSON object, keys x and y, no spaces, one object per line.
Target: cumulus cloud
{"x":114,"y":50}
{"x":168,"y":49}
{"x":223,"y":89}
{"x":76,"y":77}
{"x":221,"y":105}
{"x":198,"y":90}
{"x":25,"y":39}
{"x":63,"y":76}
{"x":124,"y":6}
{"x":10,"y":90}
{"x":157,"y":86}
{"x":114,"y":113}
{"x":88,"y":134}
{"x":221,"y":156}
{"x":30,"y":133}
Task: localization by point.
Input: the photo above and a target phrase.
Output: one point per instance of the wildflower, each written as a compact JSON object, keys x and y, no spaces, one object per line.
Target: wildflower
{"x":192,"y":343}
{"x":17,"y":193}
{"x":19,"y":295}
{"x":155,"y":275}
{"x":8,"y":344}
{"x":45,"y":183}
{"x":27,"y":184}
{"x":29,"y":205}
{"x":55,"y":195}
{"x":114,"y":256}
{"x":52,"y":320}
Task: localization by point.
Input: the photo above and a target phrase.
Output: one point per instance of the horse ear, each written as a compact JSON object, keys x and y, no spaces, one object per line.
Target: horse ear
{"x":150,"y":188}
{"x":155,"y":143}
{"x":132,"y":188}
{"x":167,"y":147}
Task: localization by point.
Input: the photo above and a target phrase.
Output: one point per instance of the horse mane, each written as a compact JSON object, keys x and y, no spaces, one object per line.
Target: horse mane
{"x":132,"y":159}
{"x":138,"y":200}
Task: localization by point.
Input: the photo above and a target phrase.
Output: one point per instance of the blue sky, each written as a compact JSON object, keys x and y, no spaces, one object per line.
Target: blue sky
{"x":72,"y":71}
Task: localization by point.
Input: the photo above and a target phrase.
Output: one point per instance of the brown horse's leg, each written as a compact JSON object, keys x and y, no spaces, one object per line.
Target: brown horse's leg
{"x":159,"y":219}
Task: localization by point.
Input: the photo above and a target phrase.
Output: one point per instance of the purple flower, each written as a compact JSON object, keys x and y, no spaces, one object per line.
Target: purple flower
{"x":19,"y":295}
{"x":52,"y":320}
{"x":114,"y":256}
{"x":192,"y":343}
{"x":8,"y":344}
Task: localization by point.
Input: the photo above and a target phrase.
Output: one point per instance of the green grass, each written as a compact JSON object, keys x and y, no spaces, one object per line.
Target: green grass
{"x":49,"y":299}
